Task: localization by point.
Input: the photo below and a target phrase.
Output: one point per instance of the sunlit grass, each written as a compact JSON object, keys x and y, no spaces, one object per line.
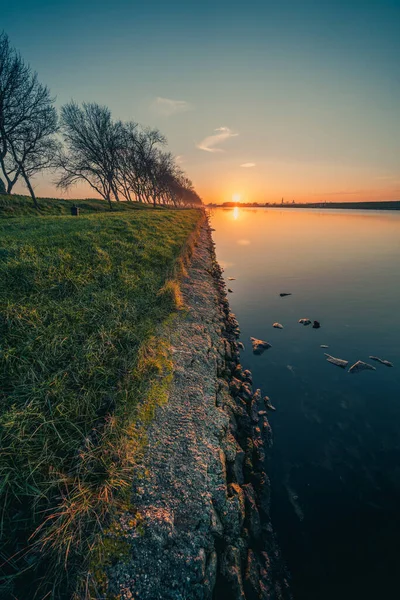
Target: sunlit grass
{"x":82,"y":368}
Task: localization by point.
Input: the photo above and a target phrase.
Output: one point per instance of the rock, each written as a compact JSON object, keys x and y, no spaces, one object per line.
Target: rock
{"x":216,"y":526}
{"x":283,"y":294}
{"x":229,"y":290}
{"x":264,"y":494}
{"x":246,"y":392}
{"x":255,"y":406}
{"x":241,"y":345}
{"x":382,"y":361}
{"x":252,"y":514}
{"x":237,"y":500}
{"x":259,"y":346}
{"x":267,"y":401}
{"x":228,"y":350}
{"x":231,"y":278}
{"x":361,"y":366}
{"x":277,"y":326}
{"x":237,"y":372}
{"x":252,"y":576}
{"x":231,"y":571}
{"x":324,"y":346}
{"x":316,"y":325}
{"x":235,"y":386}
{"x":337,"y":361}
{"x":237,"y":467}
{"x":210,"y":575}
{"x":305,"y":321}
{"x":247,"y":376}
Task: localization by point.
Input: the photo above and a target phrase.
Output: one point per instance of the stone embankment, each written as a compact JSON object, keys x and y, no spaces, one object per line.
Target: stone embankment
{"x":202,"y":493}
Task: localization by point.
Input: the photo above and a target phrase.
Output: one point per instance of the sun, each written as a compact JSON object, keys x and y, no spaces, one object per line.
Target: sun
{"x":236,"y":198}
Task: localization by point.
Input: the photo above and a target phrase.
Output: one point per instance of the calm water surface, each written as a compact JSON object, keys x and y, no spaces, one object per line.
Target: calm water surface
{"x":335,"y":464}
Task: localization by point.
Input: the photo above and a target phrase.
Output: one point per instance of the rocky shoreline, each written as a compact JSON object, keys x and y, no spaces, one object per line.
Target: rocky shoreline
{"x":202,"y":493}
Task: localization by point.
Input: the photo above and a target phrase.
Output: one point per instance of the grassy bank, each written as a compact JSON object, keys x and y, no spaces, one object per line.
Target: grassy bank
{"x":22,"y":206}
{"x":81,"y":371}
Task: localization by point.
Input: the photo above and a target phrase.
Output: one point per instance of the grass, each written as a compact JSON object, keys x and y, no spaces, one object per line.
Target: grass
{"x":20,"y":206}
{"x":82,"y":368}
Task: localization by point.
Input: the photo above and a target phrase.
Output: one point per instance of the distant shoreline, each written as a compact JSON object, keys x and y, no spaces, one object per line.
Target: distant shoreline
{"x":380,"y":205}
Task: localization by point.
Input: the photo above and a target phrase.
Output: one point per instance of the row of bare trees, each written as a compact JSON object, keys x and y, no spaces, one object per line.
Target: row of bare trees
{"x":120,"y":161}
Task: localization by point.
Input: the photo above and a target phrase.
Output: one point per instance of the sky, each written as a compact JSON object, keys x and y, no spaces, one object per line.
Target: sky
{"x":259,"y":100}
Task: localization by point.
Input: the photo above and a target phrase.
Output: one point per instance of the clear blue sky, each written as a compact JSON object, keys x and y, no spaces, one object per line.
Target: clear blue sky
{"x":307,"y":92}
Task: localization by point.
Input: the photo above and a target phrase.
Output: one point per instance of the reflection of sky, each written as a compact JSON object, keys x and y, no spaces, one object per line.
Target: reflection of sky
{"x":307,"y":92}
{"x":336,"y":445}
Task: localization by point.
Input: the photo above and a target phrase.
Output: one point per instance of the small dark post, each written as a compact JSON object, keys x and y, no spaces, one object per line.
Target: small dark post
{"x":74,"y":211}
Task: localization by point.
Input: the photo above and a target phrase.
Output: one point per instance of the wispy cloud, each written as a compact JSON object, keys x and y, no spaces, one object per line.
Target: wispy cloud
{"x":222,"y":134}
{"x":167,"y":107}
{"x":248,"y":165}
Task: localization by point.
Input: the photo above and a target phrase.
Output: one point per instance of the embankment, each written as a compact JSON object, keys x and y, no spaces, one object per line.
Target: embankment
{"x":201,"y":527}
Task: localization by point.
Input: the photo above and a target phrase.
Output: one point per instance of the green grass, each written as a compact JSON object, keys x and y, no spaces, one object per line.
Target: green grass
{"x":81,"y":370}
{"x":22,"y":206}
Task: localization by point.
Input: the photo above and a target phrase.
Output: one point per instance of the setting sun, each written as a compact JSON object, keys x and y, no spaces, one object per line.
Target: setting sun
{"x":236,"y":198}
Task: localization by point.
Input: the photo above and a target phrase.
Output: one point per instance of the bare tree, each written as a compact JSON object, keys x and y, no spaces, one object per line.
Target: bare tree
{"x":14,"y":81}
{"x":93,"y":147}
{"x":136,"y":160}
{"x":119,"y":159}
{"x":28,"y":120}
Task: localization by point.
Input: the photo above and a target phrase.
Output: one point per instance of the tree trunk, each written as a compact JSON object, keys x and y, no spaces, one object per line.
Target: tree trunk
{"x":108,"y":198}
{"x":30,"y":188}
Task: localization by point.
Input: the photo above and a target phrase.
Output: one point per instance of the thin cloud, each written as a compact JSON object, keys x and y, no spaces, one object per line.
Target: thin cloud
{"x":209,"y":143}
{"x":167,"y":107}
{"x":248,"y":165}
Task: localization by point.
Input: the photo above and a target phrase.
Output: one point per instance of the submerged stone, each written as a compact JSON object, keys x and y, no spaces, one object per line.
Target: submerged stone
{"x":259,"y":346}
{"x":387,"y":363}
{"x":283,"y":294}
{"x":339,"y":362}
{"x":361,"y":366}
{"x":277,"y":326}
{"x":305,"y":321}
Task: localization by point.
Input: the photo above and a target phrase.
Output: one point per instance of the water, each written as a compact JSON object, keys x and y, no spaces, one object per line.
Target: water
{"x":335,"y":463}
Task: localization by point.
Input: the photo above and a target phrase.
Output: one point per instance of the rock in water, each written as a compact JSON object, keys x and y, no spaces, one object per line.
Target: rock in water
{"x":316,"y":325}
{"x":241,"y":345}
{"x":277,"y":326}
{"x":324,"y":346}
{"x":361,"y":366}
{"x":268,"y":404}
{"x":305,"y":321}
{"x":285,"y":294}
{"x":229,"y":290}
{"x":259,"y":345}
{"x":339,"y":362}
{"x":382,"y":361}
{"x":231,"y":278}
